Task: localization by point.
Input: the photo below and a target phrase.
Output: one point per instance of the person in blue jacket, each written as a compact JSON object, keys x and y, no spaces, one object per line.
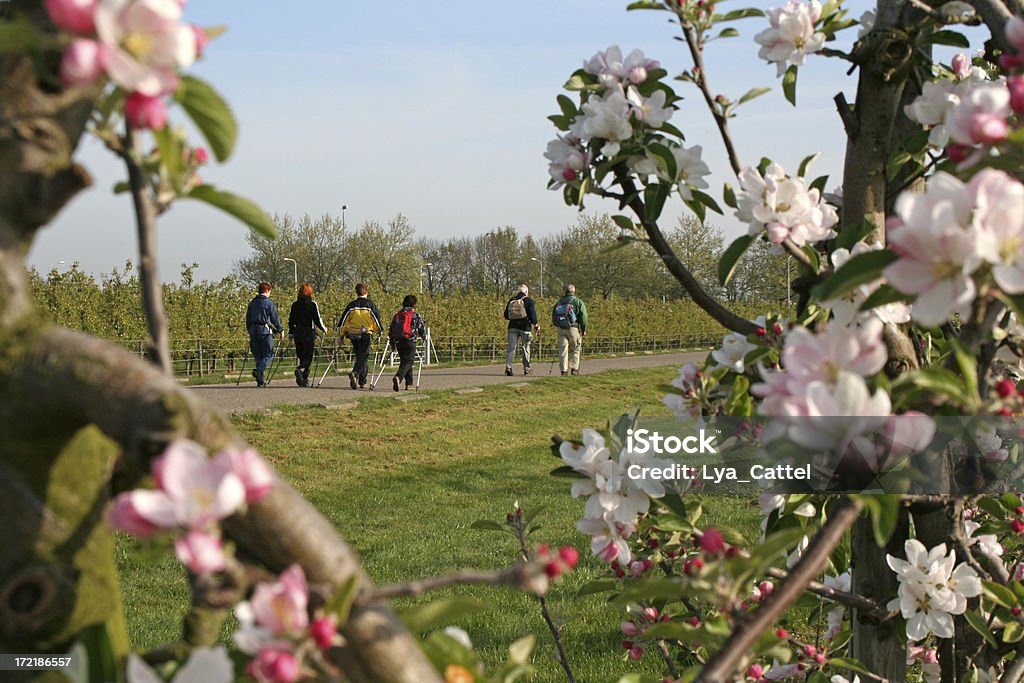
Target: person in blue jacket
{"x":262,"y":322}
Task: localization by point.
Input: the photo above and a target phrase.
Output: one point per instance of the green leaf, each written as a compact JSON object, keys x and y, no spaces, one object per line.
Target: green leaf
{"x":567,"y":106}
{"x":850,"y":664}
{"x":999,"y":594}
{"x":991,"y":506}
{"x":789,"y":84}
{"x":519,"y":652}
{"x":728,"y":33}
{"x":850,"y":235}
{"x":211,"y":114}
{"x":813,"y":257}
{"x":729,"y":196}
{"x":645,"y":4}
{"x":951,"y":38}
{"x":859,"y":270}
{"x":121,"y":187}
{"x":581,"y":80}
{"x":731,"y":258}
{"x":488,"y":525}
{"x":665,"y":159}
{"x":654,"y":200}
{"x":742,"y":14}
{"x":440,"y":613}
{"x":885,"y":514}
{"x":979,"y":624}
{"x":937,"y":381}
{"x":170,"y":154}
{"x":707,"y":201}
{"x":1013,"y":632}
{"x":624,"y":223}
{"x":341,"y":602}
{"x":565,"y":471}
{"x":598,"y":586}
{"x":752,"y":93}
{"x":243,"y":209}
{"x":968,"y":368}
{"x":806,"y":164}
{"x":560,"y":122}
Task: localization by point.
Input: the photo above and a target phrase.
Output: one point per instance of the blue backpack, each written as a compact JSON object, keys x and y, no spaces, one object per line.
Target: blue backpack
{"x":564,"y":315}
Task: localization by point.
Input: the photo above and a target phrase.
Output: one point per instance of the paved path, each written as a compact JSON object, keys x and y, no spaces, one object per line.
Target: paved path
{"x":335,"y":389}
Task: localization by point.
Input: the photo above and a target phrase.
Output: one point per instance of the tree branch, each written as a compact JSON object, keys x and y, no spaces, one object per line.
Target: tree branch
{"x":868,"y":607}
{"x":812,"y":563}
{"x":520,"y":576}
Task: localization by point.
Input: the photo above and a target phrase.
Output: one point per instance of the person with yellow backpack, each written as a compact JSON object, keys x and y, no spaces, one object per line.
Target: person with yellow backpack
{"x":358,"y":323}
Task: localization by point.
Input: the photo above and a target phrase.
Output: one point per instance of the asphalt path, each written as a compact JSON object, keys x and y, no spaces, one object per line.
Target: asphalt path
{"x":335,"y":390}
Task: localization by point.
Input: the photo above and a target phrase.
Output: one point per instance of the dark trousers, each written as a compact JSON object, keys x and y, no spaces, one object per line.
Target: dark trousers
{"x":407,"y":354}
{"x":262,"y":347}
{"x":305,"y":344}
{"x":361,"y":349}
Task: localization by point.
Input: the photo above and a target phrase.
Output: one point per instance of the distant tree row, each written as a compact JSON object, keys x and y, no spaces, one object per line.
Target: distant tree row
{"x":391,"y":259}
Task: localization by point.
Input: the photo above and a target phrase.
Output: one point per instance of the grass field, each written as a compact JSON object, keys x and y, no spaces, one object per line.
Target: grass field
{"x":403,"y":482}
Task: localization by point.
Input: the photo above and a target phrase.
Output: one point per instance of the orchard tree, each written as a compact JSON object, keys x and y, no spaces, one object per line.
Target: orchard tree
{"x":385,"y":257}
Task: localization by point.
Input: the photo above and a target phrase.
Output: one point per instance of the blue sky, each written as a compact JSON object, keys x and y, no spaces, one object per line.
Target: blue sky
{"x":434,"y":110}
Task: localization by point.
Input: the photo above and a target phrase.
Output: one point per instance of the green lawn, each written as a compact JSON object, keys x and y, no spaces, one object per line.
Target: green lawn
{"x":403,"y":482}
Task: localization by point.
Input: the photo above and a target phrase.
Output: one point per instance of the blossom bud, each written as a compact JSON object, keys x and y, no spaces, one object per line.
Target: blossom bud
{"x":810,"y":650}
{"x":274,"y":666}
{"x":629,"y":629}
{"x":201,"y":39}
{"x":1016,"y":87}
{"x":693,"y":565}
{"x":543,"y":551}
{"x":956,"y":153}
{"x":568,"y":174}
{"x":1016,"y":526}
{"x":930,"y":656}
{"x":569,"y":555}
{"x":1019,"y":509}
{"x":553,"y":570}
{"x":636,"y":652}
{"x":609,"y":553}
{"x":82,"y":63}
{"x":766,"y":587}
{"x":820,"y":658}
{"x":75,"y":16}
{"x":1015,"y":611}
{"x":1004,"y":412}
{"x":143,"y":111}
{"x":1015,"y":32}
{"x":653,"y":543}
{"x":961,"y":65}
{"x":637,"y":75}
{"x":731,"y":551}
{"x":637,"y":568}
{"x":756,"y":671}
{"x":1009,"y":62}
{"x":650,"y":614}
{"x":1006,"y":388}
{"x":760,"y":332}
{"x":322,"y":630}
{"x":777,"y":328}
{"x":200,"y":155}
{"x":781,"y":633}
{"x":712,"y":542}
{"x":693,"y":621}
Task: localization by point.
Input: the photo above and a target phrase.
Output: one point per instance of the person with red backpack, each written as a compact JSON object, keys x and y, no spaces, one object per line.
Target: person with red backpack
{"x":406,"y":328}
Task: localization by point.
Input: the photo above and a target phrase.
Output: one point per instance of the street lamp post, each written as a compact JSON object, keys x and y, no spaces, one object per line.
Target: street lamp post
{"x":427,"y":266}
{"x":534,"y":258}
{"x":343,"y":207}
{"x":295,"y":269}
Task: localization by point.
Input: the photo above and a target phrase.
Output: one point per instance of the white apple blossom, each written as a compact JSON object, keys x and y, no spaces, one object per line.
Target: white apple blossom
{"x":988,"y":544}
{"x":846,"y":309}
{"x":783,"y":207}
{"x":145,"y":44}
{"x":609,"y":539}
{"x":867,"y":24}
{"x":651,"y":110}
{"x":612,"y":70}
{"x":931,"y":589}
{"x":568,"y":159}
{"x":998,"y":217}
{"x":607,"y":118}
{"x":204,"y":665}
{"x":930,"y":107}
{"x":734,"y":348}
{"x":791,"y":36}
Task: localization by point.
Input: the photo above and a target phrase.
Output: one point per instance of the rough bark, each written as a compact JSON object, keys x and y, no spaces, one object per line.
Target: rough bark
{"x":80,"y":418}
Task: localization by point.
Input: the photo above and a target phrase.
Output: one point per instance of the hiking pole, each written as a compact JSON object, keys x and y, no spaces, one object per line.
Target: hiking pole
{"x":419,"y":371}
{"x":380,"y":365}
{"x":244,"y":361}
{"x":316,"y":359}
{"x":275,"y":362}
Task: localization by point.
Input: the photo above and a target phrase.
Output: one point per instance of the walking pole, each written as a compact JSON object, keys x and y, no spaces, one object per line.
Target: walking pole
{"x":275,"y":362}
{"x":380,"y":364}
{"x":316,"y":359}
{"x":244,"y":361}
{"x":419,"y":371}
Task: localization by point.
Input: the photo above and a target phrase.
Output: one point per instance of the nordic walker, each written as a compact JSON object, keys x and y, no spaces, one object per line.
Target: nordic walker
{"x":570,"y":318}
{"x":303,"y":322}
{"x":262,"y":322}
{"x":358,"y":323}
{"x":406,"y":328}
{"x":521,"y":314}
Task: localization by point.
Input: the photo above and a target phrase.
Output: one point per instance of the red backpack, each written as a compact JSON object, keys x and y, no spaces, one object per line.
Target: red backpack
{"x":401,"y":325}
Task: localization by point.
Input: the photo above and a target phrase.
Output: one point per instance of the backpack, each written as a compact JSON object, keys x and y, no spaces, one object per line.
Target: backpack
{"x":516,"y":309}
{"x":401,"y":325}
{"x":564,"y":315}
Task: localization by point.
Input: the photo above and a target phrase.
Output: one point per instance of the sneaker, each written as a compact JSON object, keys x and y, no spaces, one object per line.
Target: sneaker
{"x":527,"y":371}
{"x":259,"y":378}
{"x":564,"y":373}
{"x":299,"y":379}
{"x":574,"y":372}
{"x":408,"y":387}
{"x":508,"y":371}
{"x":394,"y":383}
{"x":254,"y":375}
{"x":352,"y":380}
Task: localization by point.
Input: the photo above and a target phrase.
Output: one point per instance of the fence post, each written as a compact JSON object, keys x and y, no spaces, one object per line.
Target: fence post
{"x":200,"y":343}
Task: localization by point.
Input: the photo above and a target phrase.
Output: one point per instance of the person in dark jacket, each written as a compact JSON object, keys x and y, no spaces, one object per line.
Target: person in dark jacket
{"x":262,"y":323}
{"x":303,"y":322}
{"x":521,"y":314}
{"x":358,"y":323}
{"x":406,"y":328}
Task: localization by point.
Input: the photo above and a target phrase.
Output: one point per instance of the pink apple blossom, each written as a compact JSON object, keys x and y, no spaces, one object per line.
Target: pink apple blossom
{"x":274,"y":664}
{"x":980,"y":116}
{"x":1015,"y":84}
{"x":281,"y":606}
{"x":82,"y":62}
{"x":960,"y":65}
{"x":201,"y":552}
{"x":194,"y":491}
{"x":124,"y":516}
{"x":791,"y":36}
{"x":651,"y":110}
{"x":201,"y":39}
{"x":75,"y":16}
{"x":629,"y":629}
{"x":146,"y":42}
{"x":253,"y":471}
{"x":143,"y":111}
{"x":783,"y":207}
{"x":998,"y":217}
{"x":612,"y":70}
{"x":324,"y":631}
{"x":568,"y":159}
{"x":938,"y":252}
